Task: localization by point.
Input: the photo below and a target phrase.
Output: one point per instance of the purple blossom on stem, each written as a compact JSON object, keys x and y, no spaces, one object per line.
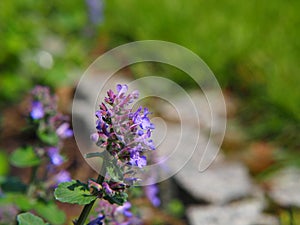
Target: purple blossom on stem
{"x":55,"y":158}
{"x":62,"y":176}
{"x":126,"y":135}
{"x":37,"y":110}
{"x":127,"y":132}
{"x":42,"y":102}
{"x":151,"y":192}
{"x":44,"y":109}
{"x":125,"y":209}
{"x":64,"y":131}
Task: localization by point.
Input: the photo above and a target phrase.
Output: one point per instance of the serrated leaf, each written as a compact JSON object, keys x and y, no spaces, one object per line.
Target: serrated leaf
{"x":50,"y":212}
{"x":24,"y":157}
{"x":119,"y":198}
{"x":74,"y":192}
{"x":29,"y":219}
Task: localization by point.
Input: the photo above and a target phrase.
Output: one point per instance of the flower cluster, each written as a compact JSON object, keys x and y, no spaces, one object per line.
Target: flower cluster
{"x":51,"y":128}
{"x":114,"y":214}
{"x":126,"y":136}
{"x":123,"y":132}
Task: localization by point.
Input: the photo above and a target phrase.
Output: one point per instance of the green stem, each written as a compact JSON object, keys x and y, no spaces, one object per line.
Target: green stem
{"x":32,"y":181}
{"x":290,"y":210}
{"x":87,"y":208}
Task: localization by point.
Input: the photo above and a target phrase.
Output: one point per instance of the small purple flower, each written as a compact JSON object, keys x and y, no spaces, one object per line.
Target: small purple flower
{"x":37,"y":110}
{"x":64,"y":131}
{"x":122,"y":89}
{"x":151,"y":192}
{"x":137,"y":160}
{"x":95,"y":8}
{"x":125,"y":209}
{"x":107,"y":189}
{"x":97,"y":221}
{"x":55,"y":158}
{"x":94,"y":137}
{"x":62,"y":176}
{"x":150,"y":144}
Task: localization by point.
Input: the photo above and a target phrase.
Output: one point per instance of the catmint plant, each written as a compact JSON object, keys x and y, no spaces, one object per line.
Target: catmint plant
{"x":51,"y":129}
{"x":123,"y":136}
{"x":42,"y":154}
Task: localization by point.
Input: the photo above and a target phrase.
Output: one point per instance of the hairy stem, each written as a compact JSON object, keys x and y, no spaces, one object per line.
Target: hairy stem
{"x":87,"y":208}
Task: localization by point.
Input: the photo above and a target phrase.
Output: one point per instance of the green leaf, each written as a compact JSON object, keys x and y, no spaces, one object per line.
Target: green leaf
{"x":50,"y":212}
{"x":74,"y":192}
{"x":119,"y":198}
{"x":49,"y":138}
{"x":24,"y":157}
{"x":29,"y":219}
{"x":23,"y":202}
{"x":4,"y":166}
{"x":12,"y":184}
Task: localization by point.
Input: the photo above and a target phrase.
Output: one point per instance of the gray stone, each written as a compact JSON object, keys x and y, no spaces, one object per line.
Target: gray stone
{"x":199,"y":168}
{"x":286,"y":187}
{"x":239,"y":213}
{"x":219,"y":184}
{"x":211,"y":114}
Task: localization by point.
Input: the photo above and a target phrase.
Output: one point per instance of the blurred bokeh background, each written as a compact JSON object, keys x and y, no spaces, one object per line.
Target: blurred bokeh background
{"x":253,"y":48}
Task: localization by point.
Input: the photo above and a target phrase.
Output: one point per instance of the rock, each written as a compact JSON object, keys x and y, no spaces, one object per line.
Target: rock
{"x":219,"y":184}
{"x":187,"y":155}
{"x":285,"y":188}
{"x":211,"y":114}
{"x":264,"y":219}
{"x":246,"y":212}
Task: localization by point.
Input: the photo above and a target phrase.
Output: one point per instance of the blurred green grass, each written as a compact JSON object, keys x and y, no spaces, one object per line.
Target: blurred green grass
{"x":253,"y":48}
{"x":31,"y":30}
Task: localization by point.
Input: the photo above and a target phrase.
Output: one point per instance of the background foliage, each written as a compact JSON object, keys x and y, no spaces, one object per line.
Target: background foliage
{"x":252,"y":47}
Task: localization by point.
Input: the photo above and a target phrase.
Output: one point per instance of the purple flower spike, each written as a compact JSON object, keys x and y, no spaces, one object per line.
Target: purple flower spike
{"x":55,"y":158}
{"x":151,"y":193}
{"x":37,"y":110}
{"x":64,"y":131}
